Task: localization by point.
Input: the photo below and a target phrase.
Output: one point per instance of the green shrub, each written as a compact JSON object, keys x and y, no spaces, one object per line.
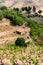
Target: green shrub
{"x":34,"y":9}
{"x":23,"y":57}
{"x":5,"y":13}
{"x":34,"y":60}
{"x":36,"y":14}
{"x":17,"y":20}
{"x":3,"y":8}
{"x":29,"y":10}
{"x":16,"y":9}
{"x":16,"y":17}
{"x":1,"y":16}
{"x":20,"y":42}
{"x":40,"y":11}
{"x":32,"y":23}
{"x":35,"y":27}
{"x":23,"y":8}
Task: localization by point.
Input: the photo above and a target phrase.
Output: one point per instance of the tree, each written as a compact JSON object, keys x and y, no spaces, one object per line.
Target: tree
{"x":40,"y":11}
{"x":20,"y":42}
{"x":22,"y":8}
{"x":29,"y":9}
{"x":25,"y":8}
{"x":34,"y":9}
{"x":3,"y":8}
{"x":36,"y":14}
{"x":17,"y":20}
{"x":16,"y":9}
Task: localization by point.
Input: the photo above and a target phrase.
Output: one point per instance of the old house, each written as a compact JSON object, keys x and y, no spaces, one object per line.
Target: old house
{"x":20,"y":31}
{"x":23,"y":31}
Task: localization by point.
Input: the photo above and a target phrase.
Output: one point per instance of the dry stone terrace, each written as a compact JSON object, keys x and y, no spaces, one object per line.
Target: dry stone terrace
{"x":11,"y":33}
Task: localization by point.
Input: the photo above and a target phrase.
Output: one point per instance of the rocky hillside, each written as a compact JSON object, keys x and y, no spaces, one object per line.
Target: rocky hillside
{"x":22,"y":2}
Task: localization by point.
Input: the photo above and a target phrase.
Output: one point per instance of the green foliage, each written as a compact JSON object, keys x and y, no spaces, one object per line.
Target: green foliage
{"x":1,"y":16}
{"x":16,"y":9}
{"x":32,"y":23}
{"x":15,"y":16}
{"x":35,"y":28}
{"x":36,"y":32}
{"x":40,"y":11}
{"x":42,"y":59}
{"x":3,"y":8}
{"x":36,"y":14}
{"x":23,"y":57}
{"x":5,"y":13}
{"x":34,"y":60}
{"x":24,"y":8}
{"x":17,"y":20}
{"x":20,"y":42}
{"x":34,"y":9}
{"x":29,"y":9}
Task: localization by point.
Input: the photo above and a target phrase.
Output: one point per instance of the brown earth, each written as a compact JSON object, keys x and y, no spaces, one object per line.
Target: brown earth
{"x":7,"y":32}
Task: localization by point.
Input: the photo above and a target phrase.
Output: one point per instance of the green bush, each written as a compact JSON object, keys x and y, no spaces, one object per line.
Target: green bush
{"x":1,"y":16}
{"x":5,"y":13}
{"x":34,"y":60}
{"x":40,"y":11}
{"x":34,"y":9}
{"x":3,"y":8}
{"x":35,"y":28}
{"x":29,"y":10}
{"x":16,"y":9}
{"x":23,"y":8}
{"x":23,"y":57}
{"x":32,"y":23}
{"x":36,"y":14}
{"x":20,"y":42}
{"x":17,"y":20}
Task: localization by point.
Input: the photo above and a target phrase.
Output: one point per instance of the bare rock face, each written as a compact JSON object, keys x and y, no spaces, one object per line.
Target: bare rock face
{"x":19,"y":62}
{"x":6,"y":62}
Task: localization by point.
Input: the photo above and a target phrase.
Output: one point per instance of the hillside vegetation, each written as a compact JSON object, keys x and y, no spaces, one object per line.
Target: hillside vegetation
{"x":21,"y":52}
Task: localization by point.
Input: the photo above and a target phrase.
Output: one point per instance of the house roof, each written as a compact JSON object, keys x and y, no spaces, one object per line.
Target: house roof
{"x":21,"y":30}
